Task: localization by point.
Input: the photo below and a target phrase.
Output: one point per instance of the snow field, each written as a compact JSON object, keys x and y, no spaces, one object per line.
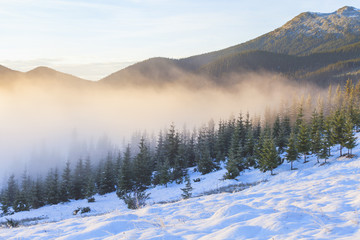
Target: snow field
{"x":313,"y":202}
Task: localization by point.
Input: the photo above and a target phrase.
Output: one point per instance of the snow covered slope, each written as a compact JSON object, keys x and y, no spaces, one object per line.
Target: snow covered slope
{"x":313,"y":202}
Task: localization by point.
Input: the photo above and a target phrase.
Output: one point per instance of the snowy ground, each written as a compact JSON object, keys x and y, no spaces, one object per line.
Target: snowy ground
{"x":313,"y":202}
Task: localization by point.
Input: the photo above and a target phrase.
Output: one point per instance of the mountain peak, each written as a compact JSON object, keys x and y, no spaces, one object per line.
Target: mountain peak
{"x":348,"y":11}
{"x":42,"y":70}
{"x":345,"y":20}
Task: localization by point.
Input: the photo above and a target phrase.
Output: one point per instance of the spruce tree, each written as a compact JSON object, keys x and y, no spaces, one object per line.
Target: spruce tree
{"x":203,"y":158}
{"x":316,"y":134}
{"x":107,"y":183}
{"x":65,"y":188}
{"x":52,"y":187}
{"x":304,"y":144}
{"x":292,"y":153}
{"x":38,"y":199}
{"x":338,"y":135}
{"x":142,"y":167}
{"x":350,"y":142}
{"x":90,"y":178}
{"x":269,"y":157}
{"x":125,"y":184}
{"x":78,"y":181}
{"x":188,"y":188}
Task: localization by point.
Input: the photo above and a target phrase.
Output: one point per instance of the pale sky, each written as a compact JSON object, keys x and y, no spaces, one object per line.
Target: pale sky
{"x":94,"y":38}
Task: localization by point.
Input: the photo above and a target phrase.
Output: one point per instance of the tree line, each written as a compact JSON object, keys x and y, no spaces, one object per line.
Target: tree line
{"x":239,"y":143}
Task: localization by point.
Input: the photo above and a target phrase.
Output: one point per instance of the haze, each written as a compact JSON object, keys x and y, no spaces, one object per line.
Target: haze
{"x":45,"y":125}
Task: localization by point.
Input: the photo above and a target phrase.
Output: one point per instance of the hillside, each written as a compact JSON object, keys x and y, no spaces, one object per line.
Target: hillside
{"x":313,"y":47}
{"x":306,"y":33}
{"x":40,"y":76}
{"x":313,"y":202}
{"x":321,"y":68}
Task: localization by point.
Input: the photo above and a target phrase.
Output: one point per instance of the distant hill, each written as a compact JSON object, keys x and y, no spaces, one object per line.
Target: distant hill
{"x":40,"y":75}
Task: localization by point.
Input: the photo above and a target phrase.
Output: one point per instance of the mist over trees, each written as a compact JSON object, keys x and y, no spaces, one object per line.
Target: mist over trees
{"x":305,"y":127}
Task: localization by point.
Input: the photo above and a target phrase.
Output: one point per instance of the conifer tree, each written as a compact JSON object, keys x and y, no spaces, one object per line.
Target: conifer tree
{"x":142,"y":167}
{"x":52,"y":187}
{"x":304,"y":144}
{"x":125,"y":184}
{"x":188,"y":188}
{"x":65,"y":188}
{"x":78,"y":186}
{"x":90,"y":178}
{"x":37,"y":199}
{"x":292,"y":153}
{"x":338,"y":135}
{"x":204,"y":162}
{"x":316,"y":134}
{"x":269,"y":157}
{"x":107,"y":183}
{"x":350,"y":142}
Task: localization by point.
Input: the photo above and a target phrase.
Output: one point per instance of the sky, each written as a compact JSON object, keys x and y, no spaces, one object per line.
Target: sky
{"x":94,"y":38}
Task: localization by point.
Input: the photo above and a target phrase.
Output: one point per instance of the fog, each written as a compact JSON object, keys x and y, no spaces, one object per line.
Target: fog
{"x":45,"y":125}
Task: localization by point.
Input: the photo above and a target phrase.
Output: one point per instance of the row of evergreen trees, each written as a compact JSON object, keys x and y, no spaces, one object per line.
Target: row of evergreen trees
{"x":241,"y":143}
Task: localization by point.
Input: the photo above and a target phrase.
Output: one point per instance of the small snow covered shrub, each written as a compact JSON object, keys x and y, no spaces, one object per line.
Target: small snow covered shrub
{"x":11,"y":223}
{"x":196,"y":180}
{"x":90,"y":200}
{"x":76,"y":211}
{"x":81,"y":210}
{"x":85,"y":209}
{"x":135,"y":200}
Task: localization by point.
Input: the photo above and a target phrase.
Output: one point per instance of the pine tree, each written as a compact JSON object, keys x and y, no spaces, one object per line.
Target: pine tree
{"x":235,"y":163}
{"x":249,"y":149}
{"x":65,"y":188}
{"x":304,"y":144}
{"x":38,"y":199}
{"x":338,"y":135}
{"x":22,"y":199}
{"x":203,"y":158}
{"x":90,"y":178}
{"x":188,"y":188}
{"x":292,"y":152}
{"x":350,"y":141}
{"x":107,"y":183}
{"x":78,"y":181}
{"x":315,"y":134}
{"x":269,"y":157}
{"x":142,"y":167}
{"x":125,"y":184}
{"x":52,"y":187}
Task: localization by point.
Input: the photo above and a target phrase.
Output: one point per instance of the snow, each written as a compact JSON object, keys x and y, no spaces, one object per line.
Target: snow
{"x":317,"y":201}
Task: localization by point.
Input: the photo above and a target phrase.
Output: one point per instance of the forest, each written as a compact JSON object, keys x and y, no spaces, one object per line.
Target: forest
{"x":306,"y":127}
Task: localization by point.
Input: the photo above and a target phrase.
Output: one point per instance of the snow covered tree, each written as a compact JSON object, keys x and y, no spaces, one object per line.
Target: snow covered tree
{"x":188,"y":188}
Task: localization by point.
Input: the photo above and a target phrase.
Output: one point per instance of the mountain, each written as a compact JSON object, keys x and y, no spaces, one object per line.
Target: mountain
{"x":321,"y":68}
{"x":306,"y":33}
{"x":39,"y":75}
{"x":315,"y":47}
